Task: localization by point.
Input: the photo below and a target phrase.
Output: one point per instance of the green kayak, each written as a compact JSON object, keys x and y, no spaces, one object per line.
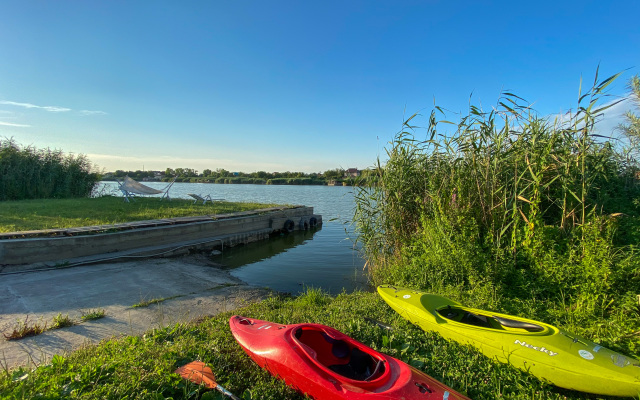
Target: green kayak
{"x":547,"y":352}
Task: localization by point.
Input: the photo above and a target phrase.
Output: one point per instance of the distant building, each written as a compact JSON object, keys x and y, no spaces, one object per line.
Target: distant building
{"x":352,"y":173}
{"x":157,"y":177}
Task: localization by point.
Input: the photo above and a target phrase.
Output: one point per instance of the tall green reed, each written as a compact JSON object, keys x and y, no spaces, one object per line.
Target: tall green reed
{"x":506,"y":205}
{"x":30,"y":173}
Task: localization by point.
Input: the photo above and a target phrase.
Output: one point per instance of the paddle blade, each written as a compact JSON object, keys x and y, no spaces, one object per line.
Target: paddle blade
{"x":198,"y":373}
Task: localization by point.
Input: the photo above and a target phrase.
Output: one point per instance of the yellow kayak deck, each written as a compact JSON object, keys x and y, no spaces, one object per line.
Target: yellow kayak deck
{"x":547,"y":352}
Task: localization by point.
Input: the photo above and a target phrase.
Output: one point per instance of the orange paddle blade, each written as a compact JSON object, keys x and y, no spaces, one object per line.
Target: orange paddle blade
{"x":198,"y":373}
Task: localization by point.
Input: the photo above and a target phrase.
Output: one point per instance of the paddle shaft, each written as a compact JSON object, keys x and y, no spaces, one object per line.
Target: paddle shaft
{"x":227,"y":393}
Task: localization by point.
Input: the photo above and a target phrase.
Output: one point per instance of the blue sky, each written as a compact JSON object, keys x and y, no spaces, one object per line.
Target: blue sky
{"x":287,"y":85}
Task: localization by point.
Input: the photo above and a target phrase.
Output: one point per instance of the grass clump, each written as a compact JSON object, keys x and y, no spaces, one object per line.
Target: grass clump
{"x":25,"y":328}
{"x":61,"y":321}
{"x":90,"y":315}
{"x":512,"y":212}
{"x":142,"y":367}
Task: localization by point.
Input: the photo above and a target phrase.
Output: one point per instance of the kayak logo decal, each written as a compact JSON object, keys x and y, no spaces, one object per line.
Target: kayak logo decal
{"x":406,"y":296}
{"x":585,"y":354}
{"x":541,"y":349}
{"x":620,"y":360}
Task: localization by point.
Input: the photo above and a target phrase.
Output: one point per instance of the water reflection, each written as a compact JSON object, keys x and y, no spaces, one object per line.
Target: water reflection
{"x":234,"y":257}
{"x":323,"y":259}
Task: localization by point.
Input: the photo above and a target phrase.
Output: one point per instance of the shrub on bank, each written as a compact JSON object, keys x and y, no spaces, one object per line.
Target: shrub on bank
{"x":515,"y":213}
{"x":30,"y":173}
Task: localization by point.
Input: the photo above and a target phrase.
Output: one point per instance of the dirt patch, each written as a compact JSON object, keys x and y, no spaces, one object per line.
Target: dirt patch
{"x":192,"y":288}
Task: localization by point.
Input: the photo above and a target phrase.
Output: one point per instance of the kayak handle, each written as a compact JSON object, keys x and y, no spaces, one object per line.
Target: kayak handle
{"x":423,"y":388}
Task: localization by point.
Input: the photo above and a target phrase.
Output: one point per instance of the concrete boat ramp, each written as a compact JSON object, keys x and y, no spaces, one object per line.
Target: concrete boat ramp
{"x":192,"y":287}
{"x":187,"y":287}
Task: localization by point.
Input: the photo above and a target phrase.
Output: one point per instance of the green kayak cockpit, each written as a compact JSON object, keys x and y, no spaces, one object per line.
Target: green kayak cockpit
{"x":468,"y":316}
{"x":424,"y":306}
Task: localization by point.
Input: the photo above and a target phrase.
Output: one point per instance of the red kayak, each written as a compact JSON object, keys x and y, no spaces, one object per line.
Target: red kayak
{"x":326,"y":364}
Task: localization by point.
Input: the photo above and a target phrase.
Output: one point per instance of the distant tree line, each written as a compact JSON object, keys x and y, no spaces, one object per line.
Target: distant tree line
{"x":221,"y":175}
{"x":30,"y":173}
{"x":137,"y":175}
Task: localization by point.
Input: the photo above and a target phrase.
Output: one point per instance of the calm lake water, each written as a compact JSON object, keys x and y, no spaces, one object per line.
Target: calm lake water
{"x":324,"y":258}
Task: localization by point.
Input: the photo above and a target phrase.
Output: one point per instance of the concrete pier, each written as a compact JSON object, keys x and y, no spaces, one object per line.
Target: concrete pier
{"x":60,"y":247}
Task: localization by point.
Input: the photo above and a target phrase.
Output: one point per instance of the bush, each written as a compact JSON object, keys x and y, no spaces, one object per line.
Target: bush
{"x":29,"y":173}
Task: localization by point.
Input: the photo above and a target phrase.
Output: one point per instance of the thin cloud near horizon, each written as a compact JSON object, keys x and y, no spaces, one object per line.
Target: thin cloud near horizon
{"x":50,"y":108}
{"x":29,"y":105}
{"x":14,"y":125}
{"x":91,"y":112}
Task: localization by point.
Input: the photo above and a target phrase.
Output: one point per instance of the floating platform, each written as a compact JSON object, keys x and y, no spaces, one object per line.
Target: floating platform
{"x":171,"y":236}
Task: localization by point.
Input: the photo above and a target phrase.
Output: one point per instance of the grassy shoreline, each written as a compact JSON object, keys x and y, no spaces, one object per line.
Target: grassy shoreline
{"x":142,"y":367}
{"x":27,"y":215}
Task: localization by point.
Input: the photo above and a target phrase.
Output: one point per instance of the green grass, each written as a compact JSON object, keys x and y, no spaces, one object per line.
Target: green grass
{"x":62,"y":321}
{"x":142,"y":367}
{"x":25,"y":328}
{"x":90,"y":315}
{"x":28,"y":215}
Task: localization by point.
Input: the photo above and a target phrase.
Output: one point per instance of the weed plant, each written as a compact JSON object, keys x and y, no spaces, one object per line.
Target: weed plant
{"x":515,"y":213}
{"x":61,"y":321}
{"x":30,"y":173}
{"x":25,"y":328}
{"x":90,"y":315}
{"x":142,"y":367}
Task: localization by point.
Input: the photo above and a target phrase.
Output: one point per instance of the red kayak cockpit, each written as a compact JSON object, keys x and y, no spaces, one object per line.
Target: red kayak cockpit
{"x":340,"y":355}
